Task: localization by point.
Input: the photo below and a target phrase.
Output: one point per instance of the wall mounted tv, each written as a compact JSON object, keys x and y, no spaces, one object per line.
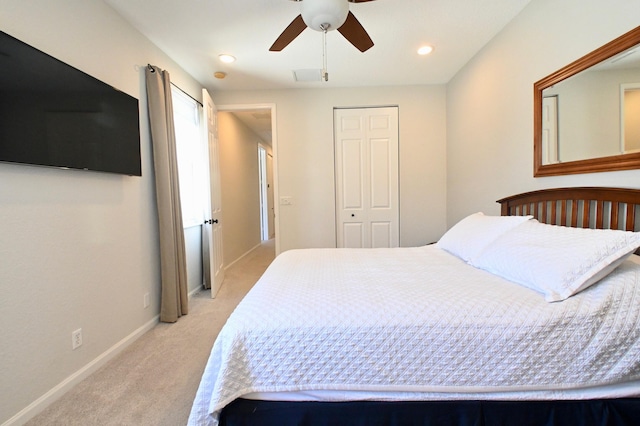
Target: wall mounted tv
{"x":52,"y":114}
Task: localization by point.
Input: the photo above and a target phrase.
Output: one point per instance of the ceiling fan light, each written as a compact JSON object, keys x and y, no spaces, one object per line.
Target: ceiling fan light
{"x":317,"y":13}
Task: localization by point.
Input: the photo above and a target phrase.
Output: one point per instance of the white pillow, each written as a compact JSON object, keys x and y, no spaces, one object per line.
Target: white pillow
{"x":555,"y":260}
{"x":473,"y":233}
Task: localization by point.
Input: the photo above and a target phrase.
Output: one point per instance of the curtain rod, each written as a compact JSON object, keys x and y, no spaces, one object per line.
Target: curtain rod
{"x":174,"y":85}
{"x":194,"y":99}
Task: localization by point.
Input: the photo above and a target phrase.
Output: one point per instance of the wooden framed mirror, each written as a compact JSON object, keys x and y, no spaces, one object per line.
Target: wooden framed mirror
{"x":578,"y":115}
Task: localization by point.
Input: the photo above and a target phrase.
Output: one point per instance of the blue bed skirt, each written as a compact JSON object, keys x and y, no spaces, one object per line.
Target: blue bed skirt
{"x":611,"y":412}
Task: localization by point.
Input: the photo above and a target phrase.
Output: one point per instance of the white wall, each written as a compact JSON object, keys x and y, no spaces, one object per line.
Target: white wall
{"x":490,"y":101}
{"x":240,"y":187}
{"x":304,"y":158}
{"x":78,"y":249}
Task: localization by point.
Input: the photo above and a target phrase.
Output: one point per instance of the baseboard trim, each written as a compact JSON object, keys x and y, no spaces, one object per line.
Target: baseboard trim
{"x":63,"y":387}
{"x":242,"y":257}
{"x":194,"y":291}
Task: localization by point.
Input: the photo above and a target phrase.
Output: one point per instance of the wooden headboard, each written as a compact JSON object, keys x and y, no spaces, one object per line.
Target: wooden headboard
{"x":583,"y":207}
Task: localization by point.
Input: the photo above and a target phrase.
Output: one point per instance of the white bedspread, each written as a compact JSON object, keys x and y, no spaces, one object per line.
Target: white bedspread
{"x":416,"y":320}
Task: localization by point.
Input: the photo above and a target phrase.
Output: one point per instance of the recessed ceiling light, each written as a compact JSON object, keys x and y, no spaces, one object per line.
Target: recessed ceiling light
{"x":227,"y":58}
{"x":425,"y":50}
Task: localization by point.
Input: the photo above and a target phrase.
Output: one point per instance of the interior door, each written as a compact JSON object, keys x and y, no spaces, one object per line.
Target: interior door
{"x":270,"y":197}
{"x":212,"y":228}
{"x":367,"y":204}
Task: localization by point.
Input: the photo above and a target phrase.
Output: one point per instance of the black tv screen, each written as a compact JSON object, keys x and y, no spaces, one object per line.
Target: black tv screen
{"x":52,"y":114}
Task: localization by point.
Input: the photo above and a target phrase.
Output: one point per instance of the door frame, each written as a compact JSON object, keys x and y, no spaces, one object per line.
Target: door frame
{"x":550,"y":151}
{"x":274,"y":147}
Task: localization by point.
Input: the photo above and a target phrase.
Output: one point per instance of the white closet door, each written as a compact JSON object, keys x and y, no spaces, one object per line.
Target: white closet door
{"x":366,"y":150}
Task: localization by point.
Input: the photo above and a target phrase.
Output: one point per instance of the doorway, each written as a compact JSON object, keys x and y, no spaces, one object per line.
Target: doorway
{"x":260,"y":119}
{"x":265,"y":175}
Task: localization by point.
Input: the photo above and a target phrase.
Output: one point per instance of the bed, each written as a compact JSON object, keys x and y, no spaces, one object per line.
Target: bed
{"x":530,"y":317}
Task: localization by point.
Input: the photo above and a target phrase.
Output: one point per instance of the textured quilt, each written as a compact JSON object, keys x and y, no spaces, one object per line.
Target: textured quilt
{"x":416,"y":320}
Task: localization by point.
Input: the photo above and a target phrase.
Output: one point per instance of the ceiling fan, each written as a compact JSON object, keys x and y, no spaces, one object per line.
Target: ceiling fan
{"x":326,"y":15}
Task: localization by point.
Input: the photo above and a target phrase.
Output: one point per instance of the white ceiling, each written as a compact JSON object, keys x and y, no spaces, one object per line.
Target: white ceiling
{"x":259,"y":121}
{"x":195,"y":32}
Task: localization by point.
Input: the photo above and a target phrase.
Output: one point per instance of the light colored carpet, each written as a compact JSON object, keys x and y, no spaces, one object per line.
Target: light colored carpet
{"x":154,"y":381}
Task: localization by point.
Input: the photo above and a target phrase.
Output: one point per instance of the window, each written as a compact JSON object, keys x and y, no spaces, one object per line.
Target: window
{"x":191,"y":153}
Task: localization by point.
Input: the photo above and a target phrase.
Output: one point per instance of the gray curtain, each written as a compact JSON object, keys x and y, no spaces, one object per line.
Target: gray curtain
{"x":174,"y":301}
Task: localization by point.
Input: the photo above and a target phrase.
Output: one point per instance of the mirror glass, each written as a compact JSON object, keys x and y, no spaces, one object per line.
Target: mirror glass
{"x":587,"y":115}
{"x":630,"y":116}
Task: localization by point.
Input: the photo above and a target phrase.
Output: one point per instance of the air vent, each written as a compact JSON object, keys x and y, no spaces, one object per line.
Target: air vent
{"x":307,"y":75}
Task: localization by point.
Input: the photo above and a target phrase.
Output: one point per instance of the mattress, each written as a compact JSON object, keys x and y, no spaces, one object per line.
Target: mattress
{"x":419,"y":323}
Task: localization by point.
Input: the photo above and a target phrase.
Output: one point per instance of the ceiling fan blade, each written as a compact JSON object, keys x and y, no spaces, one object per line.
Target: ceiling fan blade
{"x":353,"y":31}
{"x":289,"y":34}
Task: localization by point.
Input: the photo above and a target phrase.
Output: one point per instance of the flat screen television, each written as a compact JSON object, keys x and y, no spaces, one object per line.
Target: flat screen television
{"x":52,"y":114}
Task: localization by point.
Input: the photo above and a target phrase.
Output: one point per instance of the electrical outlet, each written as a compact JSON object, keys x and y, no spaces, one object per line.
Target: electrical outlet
{"x":76,"y":339}
{"x":146,"y":302}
